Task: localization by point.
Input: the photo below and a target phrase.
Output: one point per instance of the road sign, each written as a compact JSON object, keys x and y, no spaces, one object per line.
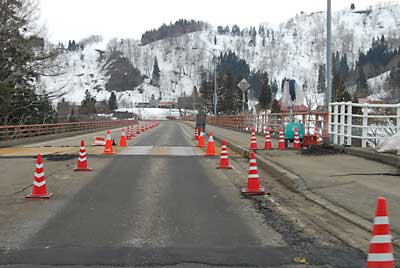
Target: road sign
{"x":243,"y":85}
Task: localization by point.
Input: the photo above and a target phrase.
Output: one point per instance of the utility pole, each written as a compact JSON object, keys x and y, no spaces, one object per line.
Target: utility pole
{"x":328,"y":55}
{"x":215,"y":90}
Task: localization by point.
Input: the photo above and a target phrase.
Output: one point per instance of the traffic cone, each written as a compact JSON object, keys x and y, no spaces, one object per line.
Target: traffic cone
{"x":253,"y":141}
{"x":380,"y":254}
{"x":296,"y":142}
{"x":201,"y":139}
{"x":82,"y":160}
{"x":281,"y":140}
{"x":108,"y":149}
{"x":224,"y":161}
{"x":196,"y":135}
{"x":316,"y":134}
{"x":122,"y":139}
{"x":99,"y":141}
{"x":132,"y":132}
{"x":210,"y":146}
{"x":253,"y":182}
{"x":138,"y":129}
{"x":128,"y":133}
{"x":268,"y":144}
{"x":143,"y":128}
{"x":39,"y":189}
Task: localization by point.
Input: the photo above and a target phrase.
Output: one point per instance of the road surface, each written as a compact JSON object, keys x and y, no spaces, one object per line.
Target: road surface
{"x":160,"y":203}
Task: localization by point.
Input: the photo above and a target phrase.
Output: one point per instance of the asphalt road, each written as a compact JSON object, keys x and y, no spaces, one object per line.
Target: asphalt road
{"x":161,"y":211}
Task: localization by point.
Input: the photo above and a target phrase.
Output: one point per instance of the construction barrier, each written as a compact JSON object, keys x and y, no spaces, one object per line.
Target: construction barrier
{"x":314,"y":120}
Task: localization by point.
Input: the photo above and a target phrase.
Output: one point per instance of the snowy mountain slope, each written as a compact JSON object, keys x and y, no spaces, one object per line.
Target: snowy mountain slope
{"x":80,"y":72}
{"x":377,"y":83}
{"x":295,"y":49}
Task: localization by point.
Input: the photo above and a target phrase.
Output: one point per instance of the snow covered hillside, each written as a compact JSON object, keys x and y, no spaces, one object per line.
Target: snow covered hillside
{"x":295,"y":49}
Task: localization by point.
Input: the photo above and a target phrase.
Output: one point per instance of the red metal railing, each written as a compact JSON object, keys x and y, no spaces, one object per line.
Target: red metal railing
{"x":275,"y":121}
{"x":28,"y":131}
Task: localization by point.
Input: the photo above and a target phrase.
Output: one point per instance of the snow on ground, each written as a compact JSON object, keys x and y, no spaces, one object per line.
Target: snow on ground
{"x":80,"y":72}
{"x":154,"y":113}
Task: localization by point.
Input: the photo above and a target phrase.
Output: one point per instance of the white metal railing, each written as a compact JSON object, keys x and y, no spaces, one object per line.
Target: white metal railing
{"x":362,"y":124}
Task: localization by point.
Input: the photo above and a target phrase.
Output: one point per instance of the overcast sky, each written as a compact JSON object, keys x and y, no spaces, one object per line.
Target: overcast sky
{"x":75,"y":19}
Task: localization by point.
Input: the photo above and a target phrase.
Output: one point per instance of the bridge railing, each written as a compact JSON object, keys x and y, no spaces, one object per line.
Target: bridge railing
{"x":29,"y":131}
{"x":311,"y":120}
{"x":364,"y":125}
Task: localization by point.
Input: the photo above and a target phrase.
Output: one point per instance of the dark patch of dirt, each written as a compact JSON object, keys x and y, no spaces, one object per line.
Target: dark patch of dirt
{"x":60,"y":157}
{"x":322,"y":150}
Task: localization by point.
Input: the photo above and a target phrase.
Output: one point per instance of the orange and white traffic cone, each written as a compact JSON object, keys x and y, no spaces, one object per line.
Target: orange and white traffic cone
{"x":39,"y":189}
{"x":268,"y":144}
{"x":128,"y":133}
{"x":210,"y":146}
{"x":82,"y":160}
{"x":316,"y":134}
{"x":122,"y":139}
{"x":143,"y":128}
{"x":224,"y":161}
{"x":296,"y":142}
{"x":133,"y":132}
{"x":253,"y":141}
{"x":108,"y":149}
{"x":201,"y":139}
{"x":253,"y":181}
{"x":281,"y":140}
{"x":380,"y":254}
{"x":196,"y":135}
{"x":137,"y":130}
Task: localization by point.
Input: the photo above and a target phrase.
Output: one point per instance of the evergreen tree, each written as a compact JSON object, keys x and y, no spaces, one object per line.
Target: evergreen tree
{"x":343,"y":67}
{"x":393,"y":82}
{"x":362,"y":84}
{"x":274,"y":88}
{"x":112,"y":102}
{"x":265,"y":97}
{"x":207,"y":91}
{"x":197,"y":102}
{"x":88,"y":104}
{"x":73,"y":117}
{"x":226,"y":100}
{"x":123,"y":76}
{"x":44,"y":111}
{"x":69,"y":48}
{"x":352,"y":6}
{"x":321,"y":87}
{"x":340,"y":92}
{"x":215,"y":39}
{"x":230,"y":67}
{"x":19,"y":66}
{"x":155,"y":81}
{"x":275,"y":106}
{"x":335,"y":63}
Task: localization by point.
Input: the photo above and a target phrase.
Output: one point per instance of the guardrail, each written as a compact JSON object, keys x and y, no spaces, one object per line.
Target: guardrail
{"x":28,"y":131}
{"x":363,"y":125}
{"x":312,"y":120}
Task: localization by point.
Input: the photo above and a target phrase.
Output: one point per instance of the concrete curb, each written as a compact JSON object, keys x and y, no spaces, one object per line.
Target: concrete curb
{"x":296,"y":184}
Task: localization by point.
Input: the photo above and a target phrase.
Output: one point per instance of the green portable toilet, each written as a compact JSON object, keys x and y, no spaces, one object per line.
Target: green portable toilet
{"x":289,"y":131}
